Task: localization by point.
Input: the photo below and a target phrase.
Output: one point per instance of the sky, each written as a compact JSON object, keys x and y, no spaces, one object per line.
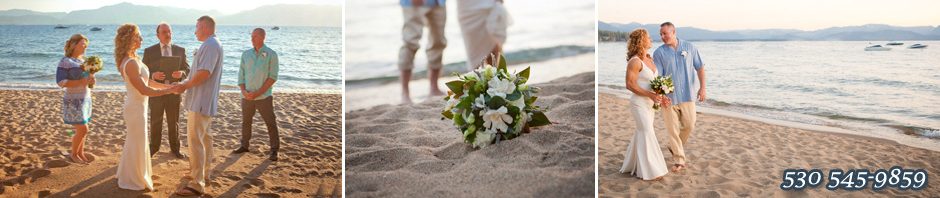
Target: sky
{"x":764,"y":14}
{"x":223,"y":6}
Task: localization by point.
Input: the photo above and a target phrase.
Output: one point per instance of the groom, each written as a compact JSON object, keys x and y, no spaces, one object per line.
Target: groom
{"x":680,"y":59}
{"x":202,"y":103}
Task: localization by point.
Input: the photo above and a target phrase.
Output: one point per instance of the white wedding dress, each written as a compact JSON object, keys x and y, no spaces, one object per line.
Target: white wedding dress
{"x":644,"y":157}
{"x":134,"y":169}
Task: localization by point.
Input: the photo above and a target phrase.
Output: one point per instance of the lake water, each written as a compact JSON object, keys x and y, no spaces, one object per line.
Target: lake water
{"x":829,"y":83}
{"x":310,"y":57}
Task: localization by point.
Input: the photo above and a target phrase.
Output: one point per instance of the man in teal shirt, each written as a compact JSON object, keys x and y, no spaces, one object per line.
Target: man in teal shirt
{"x":256,"y":76}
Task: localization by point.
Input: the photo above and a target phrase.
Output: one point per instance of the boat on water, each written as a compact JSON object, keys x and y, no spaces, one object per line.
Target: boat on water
{"x":275,"y":28}
{"x":95,"y":29}
{"x":61,"y":27}
{"x":895,"y":43}
{"x":917,"y":46}
{"x":877,"y":48}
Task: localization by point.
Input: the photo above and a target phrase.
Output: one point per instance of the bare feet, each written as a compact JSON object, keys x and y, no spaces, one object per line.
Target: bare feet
{"x":405,"y":99}
{"x":76,"y":159}
{"x":83,"y":157}
{"x":678,"y":167}
{"x":436,"y":92}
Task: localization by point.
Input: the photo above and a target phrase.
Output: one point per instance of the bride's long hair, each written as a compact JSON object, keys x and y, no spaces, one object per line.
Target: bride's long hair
{"x":123,"y":44}
{"x":638,"y":43}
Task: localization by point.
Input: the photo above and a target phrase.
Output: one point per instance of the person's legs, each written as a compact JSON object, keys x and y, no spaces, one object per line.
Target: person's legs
{"x":687,"y":121}
{"x":248,"y":112}
{"x":411,"y":35}
{"x":266,"y":108}
{"x":200,"y":148}
{"x":436,"y":18}
{"x":172,"y":109}
{"x":156,"y":123}
{"x":78,"y":140}
{"x":671,"y":119}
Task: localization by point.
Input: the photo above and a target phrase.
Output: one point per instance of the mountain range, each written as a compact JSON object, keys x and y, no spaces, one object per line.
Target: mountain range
{"x":867,"y":32}
{"x":281,"y":14}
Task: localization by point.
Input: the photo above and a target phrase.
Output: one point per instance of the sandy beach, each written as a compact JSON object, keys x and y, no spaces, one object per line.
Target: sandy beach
{"x":33,"y":138}
{"x":732,"y":157}
{"x":408,"y":151}
{"x":362,"y":96}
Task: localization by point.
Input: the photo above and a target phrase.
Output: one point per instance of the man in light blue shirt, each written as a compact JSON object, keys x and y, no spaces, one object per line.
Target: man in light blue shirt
{"x":256,"y":76}
{"x":680,"y":59}
{"x":201,"y":101}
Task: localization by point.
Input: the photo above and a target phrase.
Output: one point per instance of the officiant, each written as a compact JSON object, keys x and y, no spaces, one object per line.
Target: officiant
{"x":167,"y":64}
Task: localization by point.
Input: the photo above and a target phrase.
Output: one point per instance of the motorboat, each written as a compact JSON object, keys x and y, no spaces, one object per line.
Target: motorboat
{"x":877,"y":48}
{"x":917,"y":46}
{"x":276,"y":28}
{"x":895,"y":43}
{"x":95,"y":29}
{"x":61,"y":27}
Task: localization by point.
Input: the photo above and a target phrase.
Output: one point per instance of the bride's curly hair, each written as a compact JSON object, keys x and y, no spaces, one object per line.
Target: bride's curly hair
{"x":638,"y":43}
{"x":123,"y":44}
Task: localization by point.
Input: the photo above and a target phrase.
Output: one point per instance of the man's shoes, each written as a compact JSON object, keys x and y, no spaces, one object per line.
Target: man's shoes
{"x":240,"y":150}
{"x":273,"y":156}
{"x":179,"y":155}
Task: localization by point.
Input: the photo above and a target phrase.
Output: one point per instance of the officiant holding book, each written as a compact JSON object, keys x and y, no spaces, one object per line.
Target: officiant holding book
{"x":168,"y":65}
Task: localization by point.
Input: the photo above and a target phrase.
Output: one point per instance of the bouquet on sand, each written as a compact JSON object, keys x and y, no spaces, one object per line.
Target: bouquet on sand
{"x":490,"y":104}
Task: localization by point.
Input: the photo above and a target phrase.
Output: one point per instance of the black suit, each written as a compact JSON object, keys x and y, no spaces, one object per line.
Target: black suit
{"x":169,"y":104}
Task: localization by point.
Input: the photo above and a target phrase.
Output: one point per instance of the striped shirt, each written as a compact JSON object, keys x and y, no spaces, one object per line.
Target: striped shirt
{"x":681,"y":63}
{"x":427,"y":3}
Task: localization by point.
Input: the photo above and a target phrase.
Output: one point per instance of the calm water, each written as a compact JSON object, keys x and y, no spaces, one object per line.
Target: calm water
{"x":310,"y":57}
{"x":834,"y":83}
{"x":373,"y":33}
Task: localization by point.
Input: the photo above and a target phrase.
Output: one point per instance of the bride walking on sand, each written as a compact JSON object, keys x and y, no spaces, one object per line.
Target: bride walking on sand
{"x":134,"y":169}
{"x":643,"y":157}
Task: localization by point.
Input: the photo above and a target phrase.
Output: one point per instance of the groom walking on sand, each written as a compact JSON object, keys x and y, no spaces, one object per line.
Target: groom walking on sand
{"x":202,"y":103}
{"x":680,"y":60}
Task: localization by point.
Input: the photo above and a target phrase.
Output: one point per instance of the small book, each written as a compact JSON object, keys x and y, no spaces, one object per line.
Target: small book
{"x":168,"y":65}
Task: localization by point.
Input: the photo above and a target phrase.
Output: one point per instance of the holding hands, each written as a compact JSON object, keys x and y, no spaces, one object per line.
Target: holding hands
{"x":250,"y":95}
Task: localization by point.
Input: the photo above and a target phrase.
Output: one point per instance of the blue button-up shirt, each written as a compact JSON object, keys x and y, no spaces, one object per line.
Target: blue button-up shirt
{"x":256,"y":68}
{"x":427,"y":3}
{"x":682,"y":64}
{"x":204,"y":98}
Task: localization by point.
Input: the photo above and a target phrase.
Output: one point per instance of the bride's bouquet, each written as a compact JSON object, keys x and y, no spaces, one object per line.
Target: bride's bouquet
{"x":92,"y":65}
{"x":661,"y":85}
{"x":490,"y":104}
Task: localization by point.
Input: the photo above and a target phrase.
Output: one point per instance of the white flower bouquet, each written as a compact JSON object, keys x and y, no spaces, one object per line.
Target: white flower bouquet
{"x":490,"y":104}
{"x":92,"y":65}
{"x":661,"y":85}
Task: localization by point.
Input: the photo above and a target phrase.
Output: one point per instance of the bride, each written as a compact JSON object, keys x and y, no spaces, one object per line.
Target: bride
{"x":643,"y":157}
{"x":134,"y":168}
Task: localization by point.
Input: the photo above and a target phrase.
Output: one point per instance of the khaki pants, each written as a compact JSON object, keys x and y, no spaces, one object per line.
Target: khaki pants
{"x":680,"y":121}
{"x":200,"y":149}
{"x":415,"y":20}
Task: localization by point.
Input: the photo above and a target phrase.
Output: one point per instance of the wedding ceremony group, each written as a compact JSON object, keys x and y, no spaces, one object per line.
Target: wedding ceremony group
{"x":469,"y":98}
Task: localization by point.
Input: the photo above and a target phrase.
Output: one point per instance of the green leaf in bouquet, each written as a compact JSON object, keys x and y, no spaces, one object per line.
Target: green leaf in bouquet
{"x":515,"y":95}
{"x":470,"y":134}
{"x":456,"y":86}
{"x":539,"y":119}
{"x":458,"y":120}
{"x":502,"y":63}
{"x":448,"y":115}
{"x":531,"y":100}
{"x":465,"y":103}
{"x":523,"y":76}
{"x":496,"y":102}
